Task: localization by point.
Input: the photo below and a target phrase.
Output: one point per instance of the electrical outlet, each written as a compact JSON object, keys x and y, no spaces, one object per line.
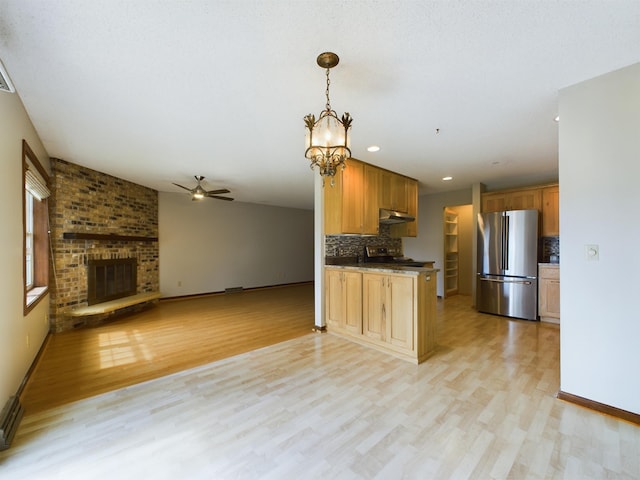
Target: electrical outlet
{"x":592,"y":253}
{"x":179,"y":283}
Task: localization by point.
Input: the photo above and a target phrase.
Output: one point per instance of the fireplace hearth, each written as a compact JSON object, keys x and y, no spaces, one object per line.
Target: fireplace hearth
{"x":110,"y":279}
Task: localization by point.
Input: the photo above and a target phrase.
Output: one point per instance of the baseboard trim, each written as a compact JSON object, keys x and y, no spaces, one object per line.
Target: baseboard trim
{"x":33,"y":365}
{"x":207,"y":294}
{"x":599,"y":407}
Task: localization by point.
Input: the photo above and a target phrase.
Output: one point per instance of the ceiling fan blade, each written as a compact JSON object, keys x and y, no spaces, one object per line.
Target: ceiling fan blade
{"x":220,"y":198}
{"x":187,"y":189}
{"x":216,"y":192}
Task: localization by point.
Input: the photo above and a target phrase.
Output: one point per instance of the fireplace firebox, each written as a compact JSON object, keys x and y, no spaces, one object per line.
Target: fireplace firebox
{"x":111,"y":279}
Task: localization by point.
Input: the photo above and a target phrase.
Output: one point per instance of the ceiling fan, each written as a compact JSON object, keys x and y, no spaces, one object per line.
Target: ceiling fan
{"x":198,"y":193}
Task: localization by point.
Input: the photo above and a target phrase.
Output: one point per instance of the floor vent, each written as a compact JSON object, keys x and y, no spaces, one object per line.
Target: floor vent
{"x":233,"y":290}
{"x":9,"y":421}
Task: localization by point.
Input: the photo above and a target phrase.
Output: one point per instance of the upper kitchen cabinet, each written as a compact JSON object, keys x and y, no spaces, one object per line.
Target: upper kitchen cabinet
{"x":522,"y":199}
{"x":393,"y":191}
{"x":352,"y":205}
{"x":344,"y":202}
{"x":409,"y":229}
{"x":551,"y":211}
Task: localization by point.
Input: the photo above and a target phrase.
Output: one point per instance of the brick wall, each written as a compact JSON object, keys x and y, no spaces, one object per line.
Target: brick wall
{"x":86,"y":201}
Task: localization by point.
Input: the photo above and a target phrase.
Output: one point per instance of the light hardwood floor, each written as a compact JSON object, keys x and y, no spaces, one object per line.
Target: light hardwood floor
{"x":320,"y":407}
{"x":171,"y":337}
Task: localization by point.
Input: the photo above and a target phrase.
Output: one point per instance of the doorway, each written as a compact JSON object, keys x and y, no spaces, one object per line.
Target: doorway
{"x":458,"y":258}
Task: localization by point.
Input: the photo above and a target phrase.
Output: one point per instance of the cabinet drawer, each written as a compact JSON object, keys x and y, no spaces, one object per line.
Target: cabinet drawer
{"x":552,"y":273}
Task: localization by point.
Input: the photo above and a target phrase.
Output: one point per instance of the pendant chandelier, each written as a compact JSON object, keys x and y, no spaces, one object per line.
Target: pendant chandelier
{"x":327,"y":138}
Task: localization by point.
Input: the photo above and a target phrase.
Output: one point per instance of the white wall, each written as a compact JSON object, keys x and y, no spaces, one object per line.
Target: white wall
{"x":212,"y":245}
{"x":599,"y":204}
{"x":15,"y":355}
{"x":429,"y":244}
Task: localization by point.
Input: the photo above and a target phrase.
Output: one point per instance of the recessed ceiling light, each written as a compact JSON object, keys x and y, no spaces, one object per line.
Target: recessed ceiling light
{"x":557,"y":119}
{"x":373,"y":148}
{"x":446,"y":179}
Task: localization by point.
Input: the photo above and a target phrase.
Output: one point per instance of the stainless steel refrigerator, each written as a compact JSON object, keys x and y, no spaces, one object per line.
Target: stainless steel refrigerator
{"x":507,"y":282}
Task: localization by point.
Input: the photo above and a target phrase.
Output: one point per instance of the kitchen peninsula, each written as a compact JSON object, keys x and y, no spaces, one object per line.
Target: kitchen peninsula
{"x":391,"y":308}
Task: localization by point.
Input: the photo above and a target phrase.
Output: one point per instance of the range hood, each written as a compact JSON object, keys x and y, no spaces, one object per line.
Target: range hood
{"x":389,"y":217}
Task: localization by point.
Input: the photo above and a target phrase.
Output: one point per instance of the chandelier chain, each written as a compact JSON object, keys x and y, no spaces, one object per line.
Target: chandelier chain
{"x":327,"y":92}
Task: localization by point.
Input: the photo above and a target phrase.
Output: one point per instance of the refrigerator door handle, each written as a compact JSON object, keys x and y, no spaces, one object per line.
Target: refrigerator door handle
{"x":519,"y":282}
{"x":505,"y":250}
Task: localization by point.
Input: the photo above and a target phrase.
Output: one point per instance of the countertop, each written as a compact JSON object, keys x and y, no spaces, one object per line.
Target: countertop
{"x":549,"y":264}
{"x":385,"y":268}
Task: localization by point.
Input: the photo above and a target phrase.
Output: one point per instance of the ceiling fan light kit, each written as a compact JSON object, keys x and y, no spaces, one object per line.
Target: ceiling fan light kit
{"x":198,"y":193}
{"x":328,"y":143}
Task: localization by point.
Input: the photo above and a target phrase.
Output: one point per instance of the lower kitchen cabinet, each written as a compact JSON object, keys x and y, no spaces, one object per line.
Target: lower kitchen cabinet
{"x":388,"y":309}
{"x":397,"y":314}
{"x":344,"y":301}
{"x":549,"y":293}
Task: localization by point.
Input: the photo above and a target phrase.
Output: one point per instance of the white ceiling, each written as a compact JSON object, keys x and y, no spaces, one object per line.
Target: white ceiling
{"x":158,"y":91}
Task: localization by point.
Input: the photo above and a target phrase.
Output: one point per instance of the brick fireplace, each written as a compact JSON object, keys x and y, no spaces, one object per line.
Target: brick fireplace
{"x":96,"y":220}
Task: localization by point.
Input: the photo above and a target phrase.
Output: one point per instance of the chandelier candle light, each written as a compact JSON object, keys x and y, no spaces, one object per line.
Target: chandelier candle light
{"x":327,"y":140}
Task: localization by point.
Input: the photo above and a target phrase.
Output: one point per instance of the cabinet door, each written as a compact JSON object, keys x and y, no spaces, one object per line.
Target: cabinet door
{"x":352,"y":298}
{"x":371,"y":223}
{"x":384,"y":198}
{"x":334,"y":300}
{"x":373,"y":300}
{"x":352,"y":197}
{"x":400,"y":311}
{"x":399,"y":200}
{"x":530,"y":199}
{"x":549,"y":292}
{"x":549,"y":304}
{"x":494,"y":202}
{"x":550,"y":211}
{"x":409,"y":229}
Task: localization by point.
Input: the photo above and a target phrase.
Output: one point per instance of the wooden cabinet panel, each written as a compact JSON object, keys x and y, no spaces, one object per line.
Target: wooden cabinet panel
{"x":526,"y":199}
{"x":494,"y":202}
{"x":352,"y":197}
{"x":334,"y":299}
{"x":549,"y":293}
{"x":352,"y":298}
{"x":347,"y":205}
{"x":550,"y":211}
{"x":343,"y":301}
{"x":352,"y":205}
{"x":384,"y":198}
{"x":371,"y":216}
{"x":393,"y":191}
{"x":373,"y":299}
{"x":399,"y":309}
{"x":393,"y":312}
{"x":388,"y":308}
{"x":409,"y":229}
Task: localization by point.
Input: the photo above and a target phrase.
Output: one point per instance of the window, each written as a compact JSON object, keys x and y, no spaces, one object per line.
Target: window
{"x":36,"y":231}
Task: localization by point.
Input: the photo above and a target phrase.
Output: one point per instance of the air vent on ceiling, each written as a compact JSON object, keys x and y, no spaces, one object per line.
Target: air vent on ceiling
{"x":5,"y":83}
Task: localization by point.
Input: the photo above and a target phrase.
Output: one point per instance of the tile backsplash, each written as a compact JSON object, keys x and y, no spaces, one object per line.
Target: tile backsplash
{"x":549,"y":246}
{"x":353,"y":245}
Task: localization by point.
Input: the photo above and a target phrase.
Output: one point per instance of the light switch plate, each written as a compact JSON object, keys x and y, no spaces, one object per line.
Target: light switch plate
{"x":592,"y":253}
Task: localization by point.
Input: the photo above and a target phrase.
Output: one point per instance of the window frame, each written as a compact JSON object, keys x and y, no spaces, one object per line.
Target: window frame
{"x":34,"y":293}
